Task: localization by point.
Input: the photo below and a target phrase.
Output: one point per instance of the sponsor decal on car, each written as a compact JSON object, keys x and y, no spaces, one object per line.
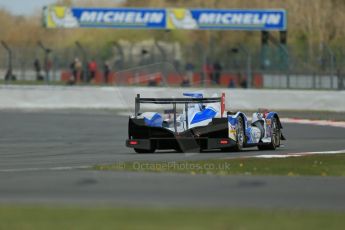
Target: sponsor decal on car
{"x":268,"y":121}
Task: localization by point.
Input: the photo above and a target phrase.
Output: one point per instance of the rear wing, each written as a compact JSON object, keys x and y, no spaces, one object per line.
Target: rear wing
{"x":175,"y":101}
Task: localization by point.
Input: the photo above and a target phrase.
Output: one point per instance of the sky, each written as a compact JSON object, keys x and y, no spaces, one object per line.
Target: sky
{"x":26,"y":7}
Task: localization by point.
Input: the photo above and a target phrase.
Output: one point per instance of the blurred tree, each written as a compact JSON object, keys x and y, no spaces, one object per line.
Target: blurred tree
{"x":310,"y":23}
{"x":64,"y":2}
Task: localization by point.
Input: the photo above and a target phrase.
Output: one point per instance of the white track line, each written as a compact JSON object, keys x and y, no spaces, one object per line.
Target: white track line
{"x":340,"y":124}
{"x":276,"y":156}
{"x":297,"y":154}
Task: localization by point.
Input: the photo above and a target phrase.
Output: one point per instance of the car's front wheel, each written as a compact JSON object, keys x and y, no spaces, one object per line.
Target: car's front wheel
{"x":275,"y":137}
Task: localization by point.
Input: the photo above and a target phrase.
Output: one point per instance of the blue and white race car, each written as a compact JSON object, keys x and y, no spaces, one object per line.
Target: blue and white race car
{"x":201,"y":124}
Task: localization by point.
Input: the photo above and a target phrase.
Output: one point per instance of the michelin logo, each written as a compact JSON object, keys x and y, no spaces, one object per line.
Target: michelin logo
{"x":171,"y":18}
{"x":117,"y":17}
{"x":240,"y":18}
{"x":186,"y":21}
{"x":66,"y":21}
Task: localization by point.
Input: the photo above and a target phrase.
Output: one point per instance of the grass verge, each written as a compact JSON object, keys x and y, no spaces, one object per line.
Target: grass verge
{"x":39,"y":217}
{"x":313,"y":165}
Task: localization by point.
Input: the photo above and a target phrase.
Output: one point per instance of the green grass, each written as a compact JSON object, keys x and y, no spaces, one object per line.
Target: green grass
{"x":314,"y":165}
{"x":41,"y":217}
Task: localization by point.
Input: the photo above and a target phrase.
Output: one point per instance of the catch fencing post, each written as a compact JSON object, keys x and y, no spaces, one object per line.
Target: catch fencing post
{"x":248,"y":63}
{"x":332,"y":63}
{"x":9,"y":75}
{"x":47,"y":51}
{"x":84,"y":66}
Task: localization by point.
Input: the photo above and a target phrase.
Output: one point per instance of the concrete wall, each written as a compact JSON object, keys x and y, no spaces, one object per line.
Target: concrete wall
{"x":82,"y":97}
{"x":301,"y":81}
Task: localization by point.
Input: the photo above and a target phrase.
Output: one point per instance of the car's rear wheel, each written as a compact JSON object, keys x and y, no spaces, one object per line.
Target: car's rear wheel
{"x":178,"y":150}
{"x":275,"y":137}
{"x":240,"y":136}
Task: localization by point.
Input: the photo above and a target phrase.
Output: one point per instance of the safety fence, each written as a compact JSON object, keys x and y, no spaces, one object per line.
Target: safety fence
{"x":233,"y":65}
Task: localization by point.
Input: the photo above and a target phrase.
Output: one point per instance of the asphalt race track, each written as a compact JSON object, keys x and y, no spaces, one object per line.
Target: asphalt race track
{"x":45,"y":155}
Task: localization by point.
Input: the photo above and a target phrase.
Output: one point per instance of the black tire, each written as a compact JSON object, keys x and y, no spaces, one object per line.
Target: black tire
{"x":263,"y":147}
{"x":144,"y":150}
{"x":178,"y":150}
{"x":240,"y":135}
{"x":275,"y":134}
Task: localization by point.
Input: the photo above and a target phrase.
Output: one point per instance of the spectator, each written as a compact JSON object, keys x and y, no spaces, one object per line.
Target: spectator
{"x":217,"y":72}
{"x":79,"y":69}
{"x":37,"y":67}
{"x":106,"y":72}
{"x":185,"y":81}
{"x":207,"y":71}
{"x":48,"y":64}
{"x":92,"y":69}
{"x":244,"y":83}
{"x":75,"y":67}
{"x":189,"y":73}
{"x":232,"y":83}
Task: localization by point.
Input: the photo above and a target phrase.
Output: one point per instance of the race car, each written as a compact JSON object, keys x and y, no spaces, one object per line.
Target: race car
{"x":201,"y":124}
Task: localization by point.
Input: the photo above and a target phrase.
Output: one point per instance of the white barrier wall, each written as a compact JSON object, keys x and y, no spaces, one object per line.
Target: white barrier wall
{"x":84,"y":97}
{"x":300,"y":81}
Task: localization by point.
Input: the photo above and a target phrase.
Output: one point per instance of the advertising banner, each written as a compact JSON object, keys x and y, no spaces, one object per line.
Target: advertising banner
{"x":171,"y":18}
